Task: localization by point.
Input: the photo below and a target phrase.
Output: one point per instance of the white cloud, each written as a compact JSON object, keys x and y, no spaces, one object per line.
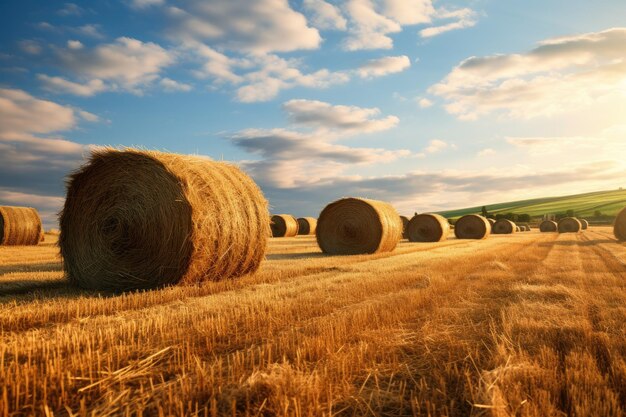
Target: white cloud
{"x":61,"y":85}
{"x":291,"y":158}
{"x":486,"y":152}
{"x":325,"y":15}
{"x":33,"y":158}
{"x":143,"y":4}
{"x":346,"y":119}
{"x":124,"y":65}
{"x":170,"y":85}
{"x":424,"y":103}
{"x":262,"y":26}
{"x":274,"y":74}
{"x":74,"y":44}
{"x":436,"y":145}
{"x":30,"y":47}
{"x":383,"y":66}
{"x":70,"y":9}
{"x":557,"y":76}
{"x":90,"y":31}
{"x":409,"y":12}
{"x":368,"y":28}
{"x":464,"y":18}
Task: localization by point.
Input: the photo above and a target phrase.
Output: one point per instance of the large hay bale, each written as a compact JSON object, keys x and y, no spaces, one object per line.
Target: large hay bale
{"x":351,"y":226}
{"x":19,"y":226}
{"x":284,"y":225}
{"x":548,"y":226}
{"x":428,"y":228}
{"x":491,"y":222}
{"x":619,"y":228}
{"x":142,"y":219}
{"x":307,"y":225}
{"x":584,"y":223}
{"x":570,"y":225}
{"x":405,"y":225}
{"x":472,"y":226}
{"x":504,"y":227}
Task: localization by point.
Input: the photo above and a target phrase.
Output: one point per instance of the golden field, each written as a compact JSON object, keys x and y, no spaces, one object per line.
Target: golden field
{"x":525,"y":325}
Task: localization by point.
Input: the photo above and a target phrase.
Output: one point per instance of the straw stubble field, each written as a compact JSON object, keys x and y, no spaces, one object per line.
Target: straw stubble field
{"x":529,"y":324}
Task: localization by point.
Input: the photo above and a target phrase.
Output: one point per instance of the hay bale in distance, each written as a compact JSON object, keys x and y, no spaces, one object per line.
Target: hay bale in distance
{"x":405,"y":225}
{"x":548,"y":226}
{"x":619,"y":228}
{"x":307,"y":225}
{"x":570,"y":225}
{"x":472,"y":226}
{"x":142,"y":219}
{"x":584,"y":223}
{"x":491,"y":222}
{"x":428,"y":228}
{"x":284,"y":225}
{"x":352,"y":226}
{"x":19,"y":226}
{"x":504,"y":227}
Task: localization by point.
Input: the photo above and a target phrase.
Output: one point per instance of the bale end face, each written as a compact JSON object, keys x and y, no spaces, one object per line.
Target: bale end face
{"x":504,"y":227}
{"x":307,"y":225}
{"x":405,"y":225}
{"x":570,"y":225}
{"x":619,"y":227}
{"x":584,"y":223}
{"x":548,"y":226}
{"x":428,"y":228}
{"x":352,"y":226}
{"x":472,"y":226}
{"x":284,"y":225}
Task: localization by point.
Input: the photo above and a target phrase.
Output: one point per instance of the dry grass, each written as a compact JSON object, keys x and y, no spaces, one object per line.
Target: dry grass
{"x":500,"y":327}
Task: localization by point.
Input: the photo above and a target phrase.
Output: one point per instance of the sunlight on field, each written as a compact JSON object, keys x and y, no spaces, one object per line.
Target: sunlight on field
{"x":531,"y":324}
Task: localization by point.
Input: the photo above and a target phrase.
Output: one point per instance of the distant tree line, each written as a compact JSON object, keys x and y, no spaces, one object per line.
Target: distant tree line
{"x":514,"y":217}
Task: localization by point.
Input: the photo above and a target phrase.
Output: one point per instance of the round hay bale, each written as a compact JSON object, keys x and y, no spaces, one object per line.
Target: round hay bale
{"x":472,"y":226}
{"x":517,"y":229}
{"x":428,"y":228}
{"x":548,"y":226}
{"x":284,"y":225}
{"x":619,"y":228}
{"x":491,"y":222}
{"x":405,"y":224}
{"x":19,"y":226}
{"x":504,"y":227}
{"x":570,"y":225}
{"x":142,"y":219}
{"x":352,"y":226}
{"x":307,"y":225}
{"x":584,"y":223}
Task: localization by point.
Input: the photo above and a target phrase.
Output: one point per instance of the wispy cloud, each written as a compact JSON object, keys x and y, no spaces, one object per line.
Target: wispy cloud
{"x":558,"y":75}
{"x":383,"y":66}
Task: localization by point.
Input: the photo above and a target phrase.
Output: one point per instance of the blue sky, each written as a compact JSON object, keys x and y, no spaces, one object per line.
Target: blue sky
{"x":428,"y":104}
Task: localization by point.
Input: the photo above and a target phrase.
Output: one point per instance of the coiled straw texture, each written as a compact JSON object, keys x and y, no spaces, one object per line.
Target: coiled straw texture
{"x":307,"y":225}
{"x":19,"y":226}
{"x":472,"y":226}
{"x":504,"y":227}
{"x":570,"y":225}
{"x":142,"y":219}
{"x":351,"y":226}
{"x":619,"y":228}
{"x":284,"y":225}
{"x":428,"y":228}
{"x":548,"y":226}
